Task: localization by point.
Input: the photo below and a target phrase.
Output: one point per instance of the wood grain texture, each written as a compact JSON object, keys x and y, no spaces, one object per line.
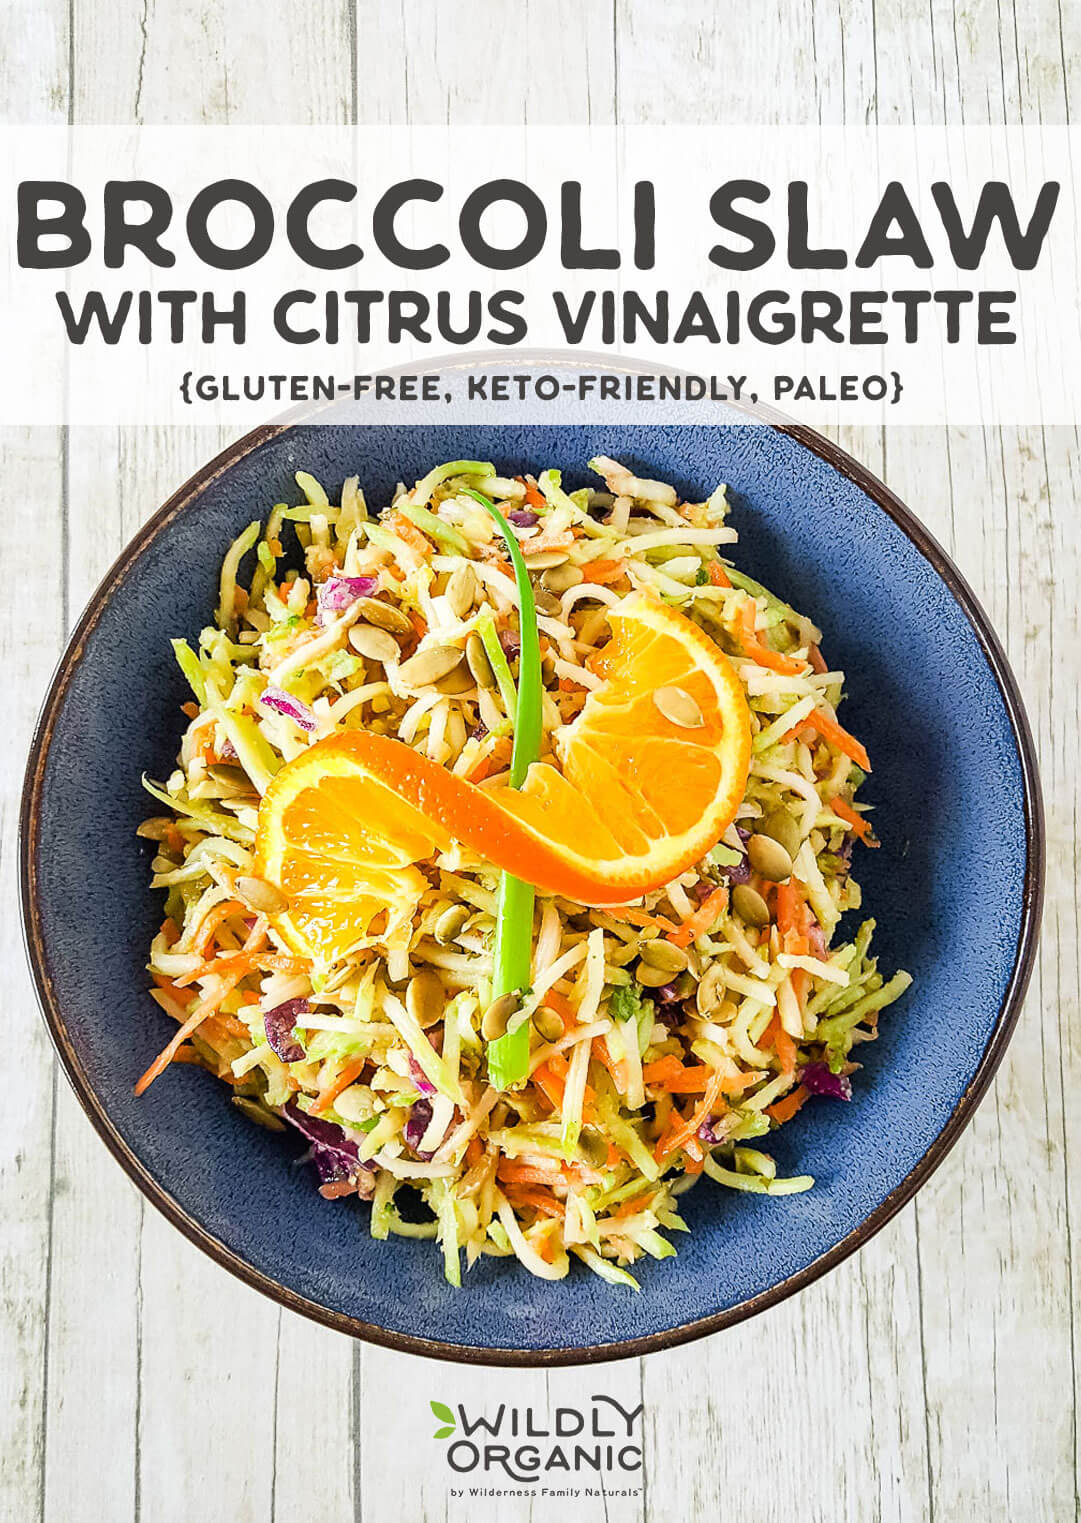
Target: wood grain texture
{"x":932,"y":1377}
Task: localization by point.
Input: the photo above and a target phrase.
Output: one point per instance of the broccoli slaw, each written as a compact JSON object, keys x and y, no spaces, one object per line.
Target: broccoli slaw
{"x":664,"y":1039}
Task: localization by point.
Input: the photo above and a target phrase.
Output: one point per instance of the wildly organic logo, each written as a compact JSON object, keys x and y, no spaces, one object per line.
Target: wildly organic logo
{"x":601,"y":1438}
{"x":445,"y":1418}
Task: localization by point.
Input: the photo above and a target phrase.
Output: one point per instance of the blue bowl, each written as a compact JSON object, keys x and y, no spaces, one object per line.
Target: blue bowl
{"x":956,"y":891}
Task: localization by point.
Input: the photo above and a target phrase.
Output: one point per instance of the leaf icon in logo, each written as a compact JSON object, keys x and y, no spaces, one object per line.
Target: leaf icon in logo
{"x":445,"y":1416}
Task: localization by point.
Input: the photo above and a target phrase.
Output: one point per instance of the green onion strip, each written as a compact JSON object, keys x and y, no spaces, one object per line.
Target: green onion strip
{"x":508,"y":1055}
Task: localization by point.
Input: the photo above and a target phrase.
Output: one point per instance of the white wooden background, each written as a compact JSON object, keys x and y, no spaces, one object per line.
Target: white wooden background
{"x":932,"y":1376}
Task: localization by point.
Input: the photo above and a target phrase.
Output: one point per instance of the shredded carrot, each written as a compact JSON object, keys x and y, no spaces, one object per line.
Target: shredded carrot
{"x":222,"y":1025}
{"x":640,"y":917}
{"x":562,"y":1007}
{"x":662,"y":1071}
{"x":213,"y":919}
{"x":542,"y":1200}
{"x":681,"y":1133}
{"x":245,"y":962}
{"x":817,"y":660}
{"x":831,"y":731}
{"x":791,"y":911}
{"x":474,"y":1151}
{"x":800,"y":980}
{"x":342,"y":1080}
{"x":410,"y":535}
{"x":614,"y":1158}
{"x":551,"y":1085}
{"x":527,"y":1174}
{"x":859,"y":824}
{"x":617,"y":1067}
{"x":194,"y":1021}
{"x":763,"y":654}
{"x":190,"y":710}
{"x":700,"y":922}
{"x":782,"y":1043}
{"x":785,"y":1109}
{"x":602,"y":572}
{"x":533,"y":495}
{"x":552,"y":1078}
{"x":635,"y":1204}
{"x":718,"y":577}
{"x":543,"y":1246}
{"x":735,"y":1084}
{"x":563,"y":539}
{"x":570,"y":685}
{"x":691,"y":1079}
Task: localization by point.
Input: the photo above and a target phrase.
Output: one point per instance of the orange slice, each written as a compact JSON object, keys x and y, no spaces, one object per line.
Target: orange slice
{"x":650,"y":774}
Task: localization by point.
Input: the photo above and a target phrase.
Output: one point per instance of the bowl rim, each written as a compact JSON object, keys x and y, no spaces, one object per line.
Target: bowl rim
{"x":668,"y":1338}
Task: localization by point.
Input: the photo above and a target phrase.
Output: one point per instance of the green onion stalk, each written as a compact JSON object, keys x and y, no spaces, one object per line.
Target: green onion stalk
{"x":508,"y":1055}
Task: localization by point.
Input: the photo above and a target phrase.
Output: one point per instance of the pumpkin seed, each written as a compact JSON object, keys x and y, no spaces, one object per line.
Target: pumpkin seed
{"x":547,"y":1023}
{"x":544,"y":560}
{"x":559,"y":579}
{"x":769,"y":858}
{"x":477,"y":658}
{"x":679,"y":708}
{"x":232,"y":781}
{"x":783,"y":827}
{"x":428,"y":666}
{"x":450,"y":924}
{"x":259,"y":895}
{"x":498,"y":1013}
{"x":651,"y":977}
{"x":458,"y":680}
{"x":546,"y":602}
{"x":374,"y":644}
{"x":461,"y":591}
{"x":259,"y":1114}
{"x":425,"y":998}
{"x":749,"y":905}
{"x":711,"y":991}
{"x":662,"y":954}
{"x":337,"y":978}
{"x":593,"y":1147}
{"x":383,"y":616}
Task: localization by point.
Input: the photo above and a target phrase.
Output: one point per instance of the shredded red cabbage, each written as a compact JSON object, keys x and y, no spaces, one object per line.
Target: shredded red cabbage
{"x":339,"y":592}
{"x":818,"y":1078}
{"x":817,"y":941}
{"x":284,"y":703}
{"x":279,"y":1024}
{"x":419,"y":1077}
{"x":522,"y":518}
{"x":420,"y":1115}
{"x":739,"y":872}
{"x":332,"y":1152}
{"x":707,"y":1134}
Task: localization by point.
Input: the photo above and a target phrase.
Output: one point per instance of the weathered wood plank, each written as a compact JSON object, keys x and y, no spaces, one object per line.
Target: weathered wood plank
{"x":205,"y":1382}
{"x":33,"y":88}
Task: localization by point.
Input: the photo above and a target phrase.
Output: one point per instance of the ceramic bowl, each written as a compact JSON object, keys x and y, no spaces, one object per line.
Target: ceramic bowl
{"x":955,"y":891}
